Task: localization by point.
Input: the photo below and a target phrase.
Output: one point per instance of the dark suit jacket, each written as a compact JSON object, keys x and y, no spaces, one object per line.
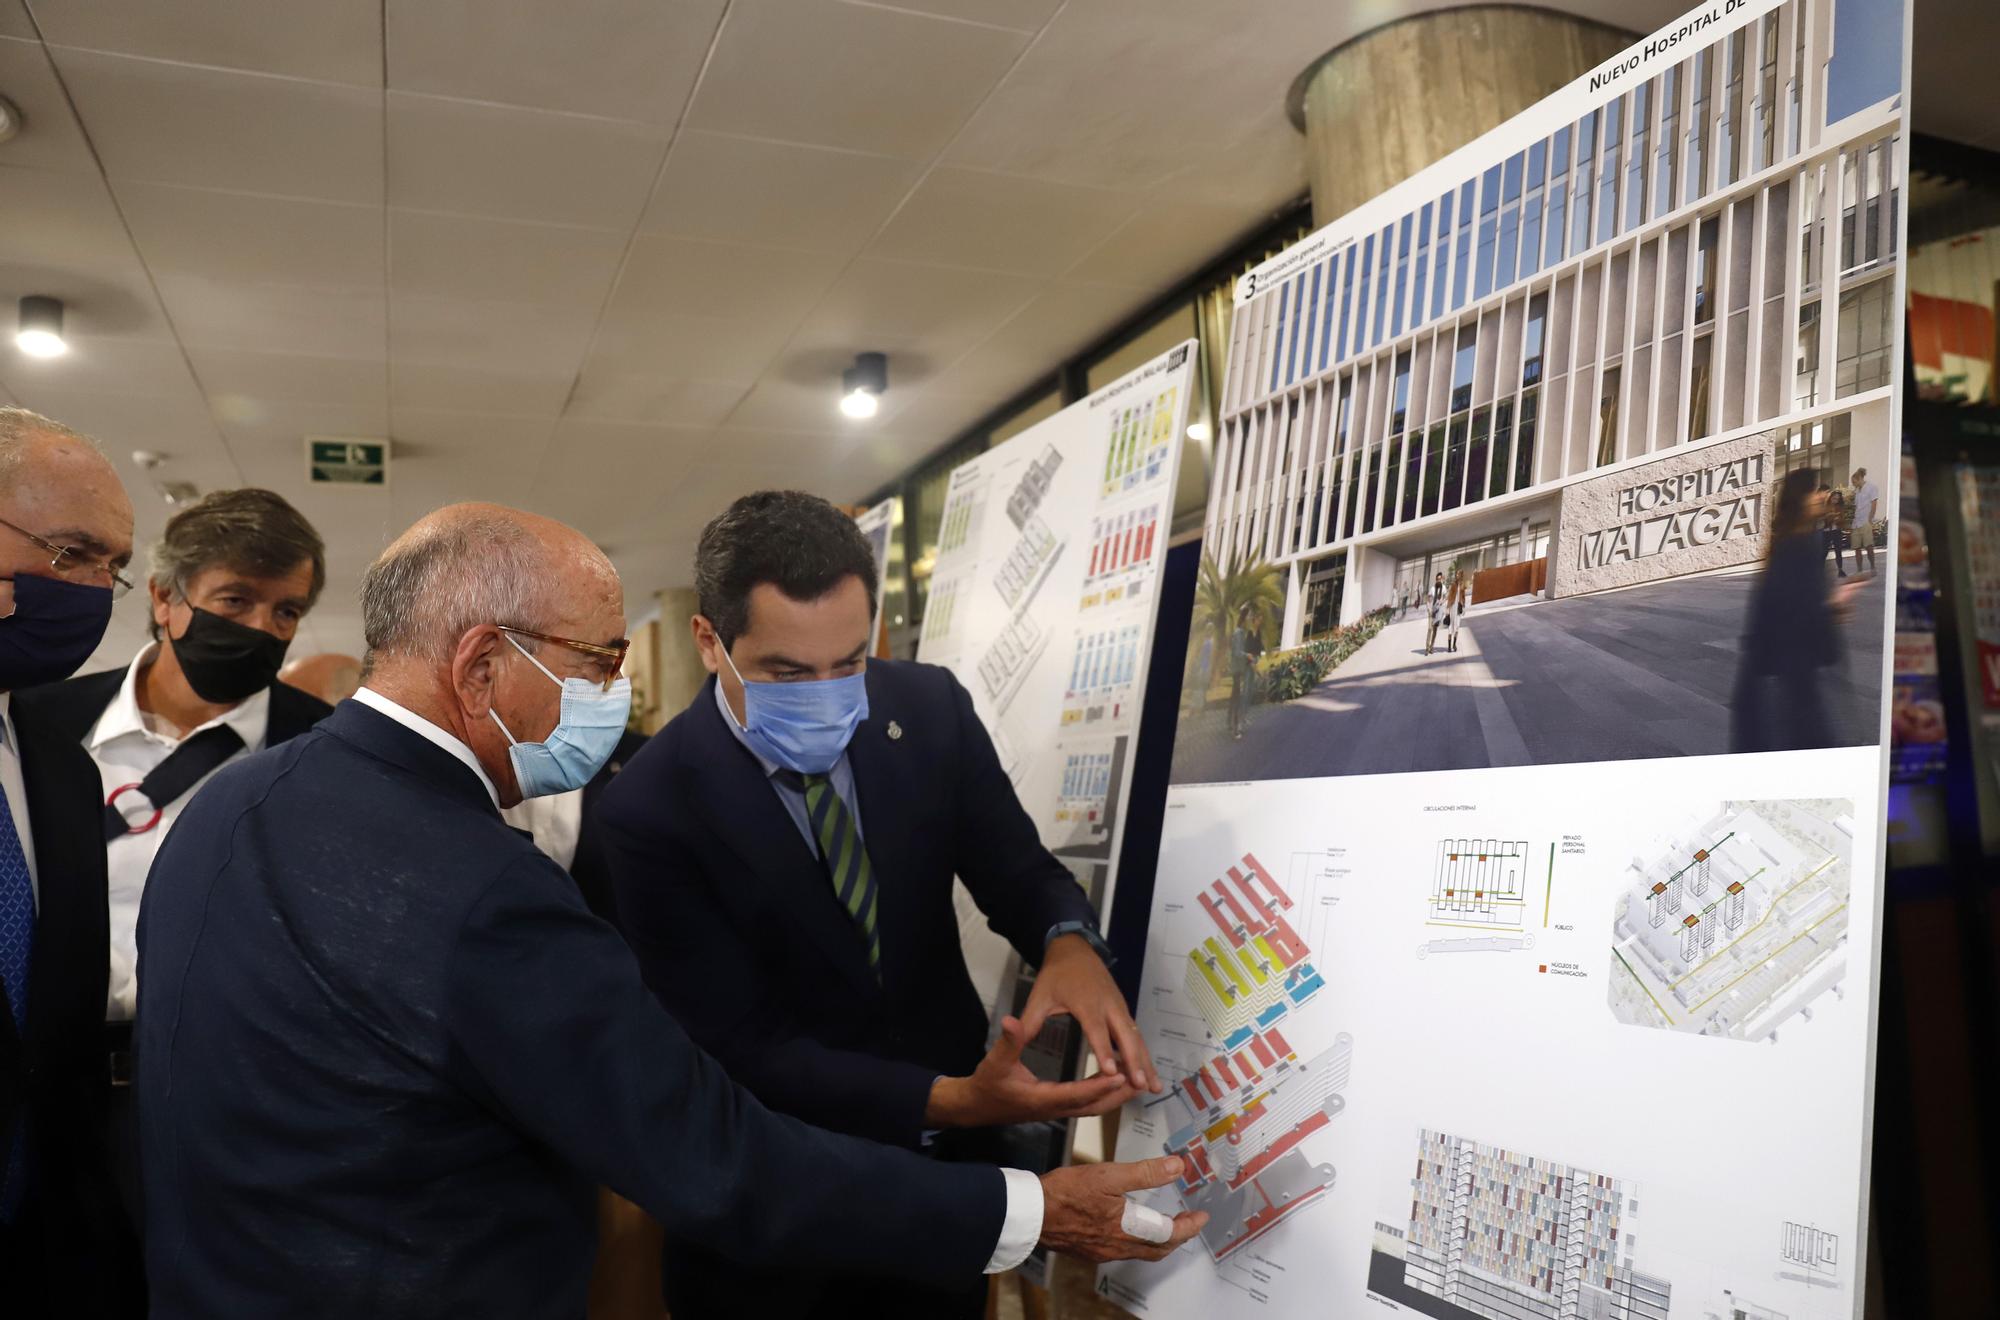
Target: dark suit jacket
{"x":589,"y":867}
{"x":65,"y":1047}
{"x":742,"y":936}
{"x":385,"y":1054}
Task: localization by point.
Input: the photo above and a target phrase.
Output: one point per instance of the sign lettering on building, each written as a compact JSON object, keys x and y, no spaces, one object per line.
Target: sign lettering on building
{"x":1684,"y":513}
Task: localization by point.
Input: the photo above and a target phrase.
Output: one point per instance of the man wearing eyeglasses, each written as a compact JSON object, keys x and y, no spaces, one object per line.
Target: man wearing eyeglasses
{"x":118,"y":755}
{"x":385,"y":1051}
{"x":65,"y":537}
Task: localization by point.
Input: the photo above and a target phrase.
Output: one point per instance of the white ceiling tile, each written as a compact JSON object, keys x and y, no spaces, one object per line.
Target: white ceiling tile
{"x":1028,"y":226}
{"x":176,"y":421}
{"x":63,"y":238}
{"x":452,"y":256}
{"x":654,"y":397}
{"x":930,"y":314}
{"x":487,"y":336}
{"x":528,"y":393}
{"x":237,"y":381}
{"x":327,"y":40}
{"x":626,"y":59}
{"x":810,"y":405}
{"x":470,"y":437}
{"x":514,"y":164}
{"x":1261,"y":170}
{"x":49,"y":137}
{"x":694,"y":277}
{"x":150,"y":367}
{"x":210,"y":128}
{"x":844,"y":75}
{"x":14,"y":20}
{"x":637,"y":340}
{"x":1021,"y":15}
{"x":344,"y":322}
{"x":264,"y":429}
{"x":275,"y":240}
{"x":1163,"y":242}
{"x":749,"y":190}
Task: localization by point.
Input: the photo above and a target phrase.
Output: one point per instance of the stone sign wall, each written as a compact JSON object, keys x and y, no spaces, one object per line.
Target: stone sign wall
{"x":1691,"y":510}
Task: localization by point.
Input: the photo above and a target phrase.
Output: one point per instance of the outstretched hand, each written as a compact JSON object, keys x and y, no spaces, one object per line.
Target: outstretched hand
{"x":1074,"y":981}
{"x":1003,"y":1090}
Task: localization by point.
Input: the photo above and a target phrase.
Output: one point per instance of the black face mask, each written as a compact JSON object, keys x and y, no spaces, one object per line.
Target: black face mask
{"x":226,"y":661}
{"x":52,"y":631}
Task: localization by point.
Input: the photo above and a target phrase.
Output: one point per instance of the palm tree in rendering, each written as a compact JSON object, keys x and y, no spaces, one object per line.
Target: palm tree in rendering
{"x":1222,"y":593}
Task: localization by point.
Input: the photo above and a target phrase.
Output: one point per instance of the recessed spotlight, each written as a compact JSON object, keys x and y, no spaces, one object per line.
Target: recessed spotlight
{"x":10,"y":119}
{"x":862,"y":385}
{"x":1198,"y":432}
{"x":41,"y":327}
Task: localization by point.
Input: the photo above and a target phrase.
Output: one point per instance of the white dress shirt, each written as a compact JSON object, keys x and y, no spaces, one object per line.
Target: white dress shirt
{"x":16,"y":789}
{"x":1022,"y":1227}
{"x":555,"y":820}
{"x":1867,"y":501}
{"x":430,"y":733}
{"x":126,"y":744}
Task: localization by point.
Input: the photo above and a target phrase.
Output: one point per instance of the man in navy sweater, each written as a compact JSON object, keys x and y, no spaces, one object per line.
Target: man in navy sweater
{"x":386,"y":1053}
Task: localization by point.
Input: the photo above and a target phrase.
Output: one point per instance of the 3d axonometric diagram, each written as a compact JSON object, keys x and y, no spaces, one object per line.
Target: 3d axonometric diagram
{"x":1034,"y":484}
{"x":1738,"y":923}
{"x":1142,"y":436}
{"x":1255,"y":968}
{"x":1478,"y":884}
{"x":1500,"y":1233}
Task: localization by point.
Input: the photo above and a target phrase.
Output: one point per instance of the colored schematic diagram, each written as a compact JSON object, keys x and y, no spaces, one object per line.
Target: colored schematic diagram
{"x":1083,"y":800}
{"x":1142,"y":435}
{"x":1500,"y":1233}
{"x":1103,"y":677}
{"x":1739,"y":923}
{"x":1255,"y":968}
{"x":1121,"y":555}
{"x":961,"y":517}
{"x":1478,"y":885}
{"x":1244,"y":1112}
{"x":941,"y":609}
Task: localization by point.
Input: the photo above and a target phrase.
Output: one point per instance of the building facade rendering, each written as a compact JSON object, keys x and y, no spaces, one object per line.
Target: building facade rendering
{"x":1696,"y":243}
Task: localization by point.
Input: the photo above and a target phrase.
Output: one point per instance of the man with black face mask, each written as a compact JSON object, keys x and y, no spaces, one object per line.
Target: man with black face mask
{"x":122,"y":752}
{"x":65,"y":537}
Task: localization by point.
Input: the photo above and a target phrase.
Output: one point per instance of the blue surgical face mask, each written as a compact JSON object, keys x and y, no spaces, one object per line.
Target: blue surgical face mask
{"x":802,"y":726}
{"x":585,"y":736}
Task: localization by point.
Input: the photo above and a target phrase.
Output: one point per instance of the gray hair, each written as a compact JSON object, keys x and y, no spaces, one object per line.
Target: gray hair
{"x":436,"y":584}
{"x":17,"y":427}
{"x":250,"y":530}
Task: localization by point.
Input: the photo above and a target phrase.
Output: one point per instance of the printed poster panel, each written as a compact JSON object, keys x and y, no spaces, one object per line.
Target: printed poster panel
{"x":1513,"y":950}
{"x":1043,"y":602}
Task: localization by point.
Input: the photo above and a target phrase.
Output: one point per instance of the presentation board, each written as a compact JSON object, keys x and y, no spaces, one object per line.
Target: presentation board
{"x":1043,"y":600}
{"x":1514,"y":943}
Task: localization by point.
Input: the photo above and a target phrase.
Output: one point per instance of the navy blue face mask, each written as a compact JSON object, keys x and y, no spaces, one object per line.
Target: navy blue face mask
{"x":52,"y":631}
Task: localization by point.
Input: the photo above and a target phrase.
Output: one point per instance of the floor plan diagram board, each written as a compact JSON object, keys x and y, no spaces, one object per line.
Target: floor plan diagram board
{"x":1042,"y":601}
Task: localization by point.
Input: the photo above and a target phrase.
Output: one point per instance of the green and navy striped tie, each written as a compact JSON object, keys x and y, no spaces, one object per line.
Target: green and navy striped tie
{"x":846,"y":860}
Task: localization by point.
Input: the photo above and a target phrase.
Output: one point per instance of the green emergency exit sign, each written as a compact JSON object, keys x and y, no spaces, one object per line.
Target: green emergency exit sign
{"x":347,"y":462}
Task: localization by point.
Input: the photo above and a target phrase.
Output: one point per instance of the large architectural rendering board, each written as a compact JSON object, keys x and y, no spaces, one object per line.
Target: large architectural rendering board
{"x":1043,"y":601}
{"x":1528,"y":970}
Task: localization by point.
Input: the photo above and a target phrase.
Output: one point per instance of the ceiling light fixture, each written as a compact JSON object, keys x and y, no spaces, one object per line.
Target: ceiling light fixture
{"x":1198,"y":432}
{"x":41,"y":330}
{"x":863,"y":384}
{"x":10,"y":119}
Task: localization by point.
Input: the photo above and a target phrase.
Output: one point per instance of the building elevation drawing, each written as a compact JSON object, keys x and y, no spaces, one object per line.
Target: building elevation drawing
{"x":1514,"y":1236}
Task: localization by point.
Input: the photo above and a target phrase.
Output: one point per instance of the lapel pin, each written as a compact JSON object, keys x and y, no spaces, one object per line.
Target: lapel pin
{"x":895,"y":731}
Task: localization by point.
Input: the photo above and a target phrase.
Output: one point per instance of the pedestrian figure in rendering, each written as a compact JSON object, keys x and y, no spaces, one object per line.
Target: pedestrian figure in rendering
{"x":1458,"y":602}
{"x":1833,"y":528}
{"x":1435,"y":606}
{"x":1792,"y":636}
{"x":1204,"y":666}
{"x":1862,"y":511}
{"x":1239,"y":670}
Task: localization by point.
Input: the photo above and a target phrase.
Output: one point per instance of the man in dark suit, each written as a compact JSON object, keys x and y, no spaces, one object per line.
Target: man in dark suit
{"x":384,"y":1050}
{"x":117,"y":754}
{"x":784,"y":853}
{"x":65,"y":538}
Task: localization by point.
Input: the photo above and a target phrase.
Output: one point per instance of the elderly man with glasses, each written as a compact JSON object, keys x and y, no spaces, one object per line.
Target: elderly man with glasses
{"x":65,"y":537}
{"x":120,"y":753}
{"x":385,"y":1052}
